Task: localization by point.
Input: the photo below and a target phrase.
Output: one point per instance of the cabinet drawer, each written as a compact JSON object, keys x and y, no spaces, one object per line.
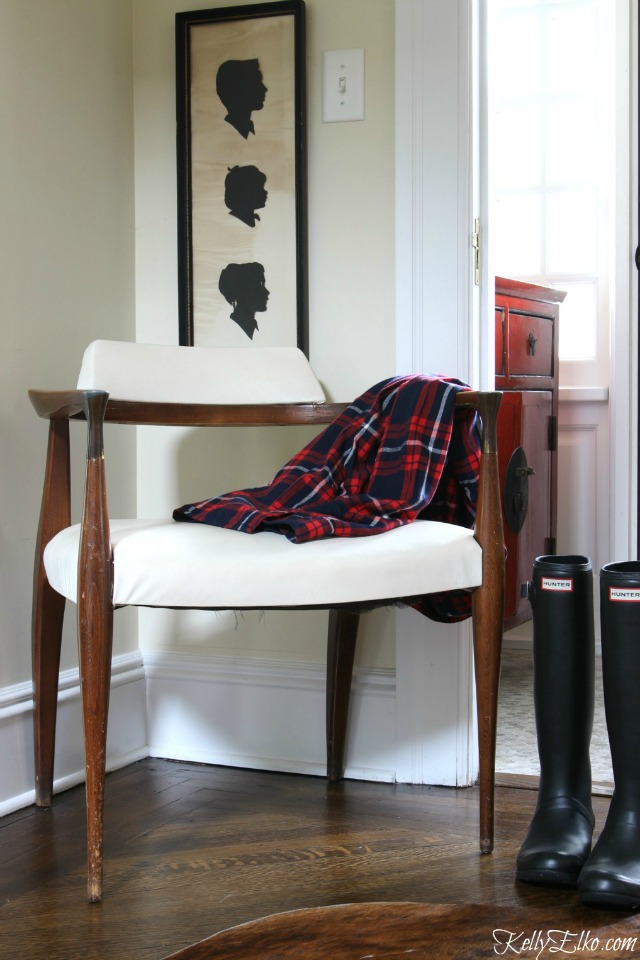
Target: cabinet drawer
{"x":530,"y":345}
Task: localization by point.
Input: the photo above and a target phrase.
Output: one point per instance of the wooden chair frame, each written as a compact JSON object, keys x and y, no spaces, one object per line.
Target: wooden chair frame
{"x":95,"y":577}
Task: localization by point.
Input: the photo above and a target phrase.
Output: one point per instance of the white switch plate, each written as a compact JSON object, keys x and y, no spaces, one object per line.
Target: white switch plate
{"x":342,"y":85}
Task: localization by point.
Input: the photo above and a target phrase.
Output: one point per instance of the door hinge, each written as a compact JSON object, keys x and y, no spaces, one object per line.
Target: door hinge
{"x":553,"y":433}
{"x":475,"y":242}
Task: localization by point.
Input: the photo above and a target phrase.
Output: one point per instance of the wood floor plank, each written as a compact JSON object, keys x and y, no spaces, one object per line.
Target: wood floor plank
{"x":191,"y":850}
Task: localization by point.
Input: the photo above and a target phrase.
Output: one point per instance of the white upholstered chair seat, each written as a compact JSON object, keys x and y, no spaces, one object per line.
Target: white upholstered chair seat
{"x":169,"y":564}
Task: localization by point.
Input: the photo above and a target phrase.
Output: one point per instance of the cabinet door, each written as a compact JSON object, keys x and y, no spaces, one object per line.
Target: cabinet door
{"x":523,"y":426}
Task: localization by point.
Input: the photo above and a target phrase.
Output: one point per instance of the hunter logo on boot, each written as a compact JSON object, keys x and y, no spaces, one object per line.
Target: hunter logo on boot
{"x":559,"y":585}
{"x":625,"y":594}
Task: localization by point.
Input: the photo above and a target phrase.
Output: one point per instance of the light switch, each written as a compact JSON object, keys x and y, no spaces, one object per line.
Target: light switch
{"x":342,"y":85}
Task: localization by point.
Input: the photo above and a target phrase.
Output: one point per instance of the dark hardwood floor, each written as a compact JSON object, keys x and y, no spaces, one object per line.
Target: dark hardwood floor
{"x":191,"y":850}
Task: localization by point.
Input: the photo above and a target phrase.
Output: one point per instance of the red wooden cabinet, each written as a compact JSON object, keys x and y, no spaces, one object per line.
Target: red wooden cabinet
{"x":527,"y":373}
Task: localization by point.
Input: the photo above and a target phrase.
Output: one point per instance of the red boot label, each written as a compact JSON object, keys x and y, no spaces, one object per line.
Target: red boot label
{"x":559,"y":585}
{"x":624,"y":594}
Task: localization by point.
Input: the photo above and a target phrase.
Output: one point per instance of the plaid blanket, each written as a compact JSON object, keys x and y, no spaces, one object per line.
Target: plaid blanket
{"x":400,"y":452}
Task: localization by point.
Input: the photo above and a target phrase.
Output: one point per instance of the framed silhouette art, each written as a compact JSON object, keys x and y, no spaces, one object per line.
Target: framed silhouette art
{"x":242,"y":188}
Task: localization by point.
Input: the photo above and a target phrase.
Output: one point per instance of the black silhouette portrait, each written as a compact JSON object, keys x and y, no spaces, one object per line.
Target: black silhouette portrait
{"x":244,"y":193}
{"x":240,"y":86}
{"x":243,"y":286}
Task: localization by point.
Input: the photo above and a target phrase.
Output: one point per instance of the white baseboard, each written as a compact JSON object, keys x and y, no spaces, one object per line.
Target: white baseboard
{"x":265,"y":714}
{"x":259,"y":714}
{"x":126,"y":742}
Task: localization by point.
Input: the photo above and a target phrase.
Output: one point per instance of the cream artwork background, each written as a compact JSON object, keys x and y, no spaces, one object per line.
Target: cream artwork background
{"x":218,"y":237}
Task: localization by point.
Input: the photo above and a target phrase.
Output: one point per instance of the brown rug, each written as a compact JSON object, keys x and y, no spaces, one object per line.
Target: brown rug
{"x":413,"y":931}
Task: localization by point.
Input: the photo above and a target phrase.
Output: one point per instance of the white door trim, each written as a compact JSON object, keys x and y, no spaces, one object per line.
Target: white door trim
{"x":623,"y":392}
{"x":436,"y":298}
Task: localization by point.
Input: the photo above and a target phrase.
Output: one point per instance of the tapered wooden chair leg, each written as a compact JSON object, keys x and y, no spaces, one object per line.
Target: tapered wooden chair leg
{"x":95,"y":672}
{"x":487,"y":636}
{"x":47,"y":613}
{"x":341,"y":648}
{"x":48,"y":617}
{"x":488,"y":613}
{"x":95,"y":637}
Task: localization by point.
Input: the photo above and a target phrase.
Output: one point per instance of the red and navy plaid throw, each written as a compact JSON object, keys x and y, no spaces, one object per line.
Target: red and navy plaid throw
{"x":400,"y":452}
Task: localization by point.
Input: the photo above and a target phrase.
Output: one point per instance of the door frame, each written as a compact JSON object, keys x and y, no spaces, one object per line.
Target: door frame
{"x":442,"y":325}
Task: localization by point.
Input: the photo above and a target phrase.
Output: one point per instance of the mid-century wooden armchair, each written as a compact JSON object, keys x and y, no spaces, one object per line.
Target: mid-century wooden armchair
{"x":101,"y":563}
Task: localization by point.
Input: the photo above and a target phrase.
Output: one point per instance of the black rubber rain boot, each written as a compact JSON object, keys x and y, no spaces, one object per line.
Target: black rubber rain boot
{"x":558,"y":841}
{"x":611,"y":876}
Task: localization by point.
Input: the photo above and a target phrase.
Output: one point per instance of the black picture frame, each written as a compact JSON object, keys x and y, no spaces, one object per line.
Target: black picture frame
{"x":242,"y":181}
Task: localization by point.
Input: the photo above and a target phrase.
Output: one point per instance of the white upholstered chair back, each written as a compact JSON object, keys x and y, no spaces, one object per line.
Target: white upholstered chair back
{"x":158,"y":373}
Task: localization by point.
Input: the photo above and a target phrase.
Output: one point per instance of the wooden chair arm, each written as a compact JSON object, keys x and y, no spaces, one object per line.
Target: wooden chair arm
{"x":63,"y":404}
{"x":218,"y":414}
{"x":72,"y":404}
{"x":96,"y":408}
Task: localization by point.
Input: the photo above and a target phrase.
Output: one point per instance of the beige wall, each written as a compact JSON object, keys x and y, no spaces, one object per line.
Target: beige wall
{"x":88,"y":250}
{"x":351,"y":284}
{"x":66,"y":255}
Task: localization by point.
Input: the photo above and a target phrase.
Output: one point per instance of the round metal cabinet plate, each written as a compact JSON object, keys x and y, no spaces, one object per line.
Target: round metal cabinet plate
{"x":516,"y":490}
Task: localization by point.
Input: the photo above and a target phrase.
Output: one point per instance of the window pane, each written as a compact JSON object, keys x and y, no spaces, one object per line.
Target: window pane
{"x":518,"y":146}
{"x":571,"y":233}
{"x":518,"y":65}
{"x":517,"y":237}
{"x":578,"y":322}
{"x":552,"y":146}
{"x":571,"y":146}
{"x":572,"y":52}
